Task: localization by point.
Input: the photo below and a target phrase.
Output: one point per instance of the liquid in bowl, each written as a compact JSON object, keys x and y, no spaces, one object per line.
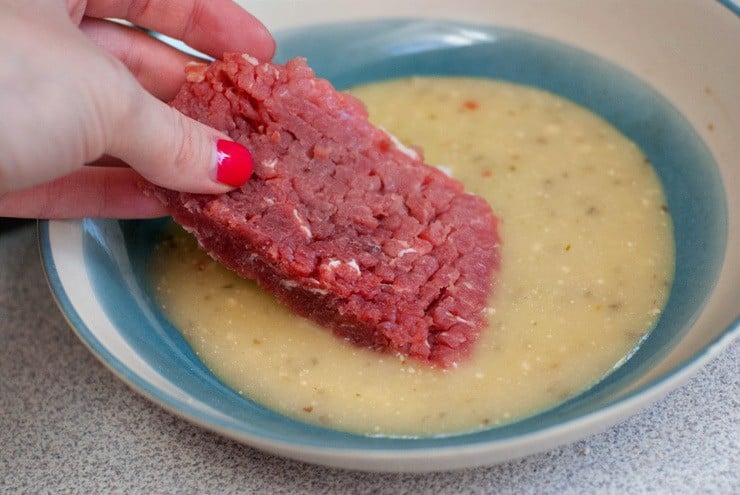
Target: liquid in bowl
{"x":587,"y":263}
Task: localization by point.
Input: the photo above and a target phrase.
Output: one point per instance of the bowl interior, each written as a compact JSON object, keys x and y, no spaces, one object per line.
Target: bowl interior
{"x":117,"y":253}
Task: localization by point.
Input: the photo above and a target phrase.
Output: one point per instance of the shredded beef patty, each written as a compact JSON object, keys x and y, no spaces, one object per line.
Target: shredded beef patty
{"x":343,"y":224}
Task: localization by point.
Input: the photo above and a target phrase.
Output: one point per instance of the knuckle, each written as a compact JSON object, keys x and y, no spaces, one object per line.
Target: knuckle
{"x":182,"y":146}
{"x":138,"y":9}
{"x":133,"y":58}
{"x":116,"y":101}
{"x":193,"y":20}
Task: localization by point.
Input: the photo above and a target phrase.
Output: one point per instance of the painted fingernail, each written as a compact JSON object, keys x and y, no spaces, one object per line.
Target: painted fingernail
{"x":233,"y":163}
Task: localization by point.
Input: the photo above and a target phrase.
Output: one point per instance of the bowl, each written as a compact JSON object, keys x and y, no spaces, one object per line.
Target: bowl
{"x":671,"y":86}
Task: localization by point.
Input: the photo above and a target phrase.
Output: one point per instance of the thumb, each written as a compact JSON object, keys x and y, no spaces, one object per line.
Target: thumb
{"x":177,"y":152}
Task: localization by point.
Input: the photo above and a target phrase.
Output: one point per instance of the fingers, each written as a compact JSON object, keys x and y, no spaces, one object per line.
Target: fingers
{"x":158,"y":67}
{"x":210,"y":26}
{"x":166,"y":147}
{"x":87,"y":192}
{"x":174,"y":151}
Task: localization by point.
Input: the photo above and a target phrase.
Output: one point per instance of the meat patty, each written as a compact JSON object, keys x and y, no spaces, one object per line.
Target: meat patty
{"x":339,"y":221}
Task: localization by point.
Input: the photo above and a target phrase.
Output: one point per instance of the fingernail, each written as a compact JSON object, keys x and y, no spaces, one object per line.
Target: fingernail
{"x":233,"y":163}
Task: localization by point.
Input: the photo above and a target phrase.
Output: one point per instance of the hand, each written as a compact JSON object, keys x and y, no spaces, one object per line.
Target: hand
{"x":77,"y":90}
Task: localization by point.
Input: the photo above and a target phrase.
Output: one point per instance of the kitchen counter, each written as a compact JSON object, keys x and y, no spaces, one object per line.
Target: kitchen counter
{"x":69,"y":425}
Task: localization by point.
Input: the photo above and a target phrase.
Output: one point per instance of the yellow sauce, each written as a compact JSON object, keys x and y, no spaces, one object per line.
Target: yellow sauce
{"x":587,"y":261}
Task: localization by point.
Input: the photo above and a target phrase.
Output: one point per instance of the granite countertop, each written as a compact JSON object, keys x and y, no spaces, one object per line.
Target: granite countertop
{"x":68,"y":425}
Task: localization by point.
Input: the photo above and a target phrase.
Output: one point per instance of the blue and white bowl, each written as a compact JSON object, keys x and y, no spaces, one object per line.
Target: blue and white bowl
{"x":672,"y":86}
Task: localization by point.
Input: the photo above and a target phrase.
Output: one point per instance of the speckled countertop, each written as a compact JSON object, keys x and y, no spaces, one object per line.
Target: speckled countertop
{"x":68,"y":425}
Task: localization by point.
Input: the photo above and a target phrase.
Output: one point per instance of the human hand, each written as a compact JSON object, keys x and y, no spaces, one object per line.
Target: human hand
{"x":77,"y":90}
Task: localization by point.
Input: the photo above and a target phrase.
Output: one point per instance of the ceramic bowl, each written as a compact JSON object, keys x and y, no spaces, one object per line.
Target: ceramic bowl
{"x":672,"y":86}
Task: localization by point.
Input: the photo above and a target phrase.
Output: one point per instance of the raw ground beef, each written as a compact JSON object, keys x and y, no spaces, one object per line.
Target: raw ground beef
{"x":343,"y":224}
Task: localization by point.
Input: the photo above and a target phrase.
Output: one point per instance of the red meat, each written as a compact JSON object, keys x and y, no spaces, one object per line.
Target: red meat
{"x":340,"y":222}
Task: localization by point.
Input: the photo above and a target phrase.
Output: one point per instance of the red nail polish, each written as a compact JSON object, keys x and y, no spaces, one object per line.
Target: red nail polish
{"x":233,"y":163}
